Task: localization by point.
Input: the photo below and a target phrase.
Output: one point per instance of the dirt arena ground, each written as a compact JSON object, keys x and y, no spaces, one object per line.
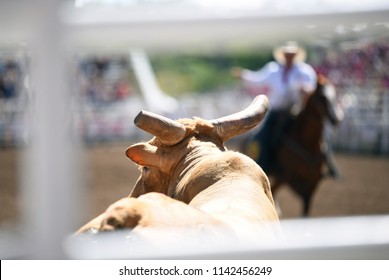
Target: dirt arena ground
{"x":110,"y":176}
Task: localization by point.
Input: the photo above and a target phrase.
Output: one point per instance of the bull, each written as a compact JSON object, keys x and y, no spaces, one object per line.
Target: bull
{"x":189,"y":179}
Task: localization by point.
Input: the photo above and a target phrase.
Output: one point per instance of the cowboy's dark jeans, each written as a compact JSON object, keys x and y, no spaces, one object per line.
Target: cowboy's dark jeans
{"x":269,"y":137}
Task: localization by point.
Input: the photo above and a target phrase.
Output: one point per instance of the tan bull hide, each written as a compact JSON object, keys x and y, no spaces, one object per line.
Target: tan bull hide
{"x":189,"y":180}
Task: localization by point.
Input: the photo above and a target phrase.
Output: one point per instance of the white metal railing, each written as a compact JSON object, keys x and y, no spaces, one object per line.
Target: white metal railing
{"x":51,"y":190}
{"x":51,"y":194}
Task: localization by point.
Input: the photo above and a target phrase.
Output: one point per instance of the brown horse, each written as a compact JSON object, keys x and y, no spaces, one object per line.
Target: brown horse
{"x":300,"y":158}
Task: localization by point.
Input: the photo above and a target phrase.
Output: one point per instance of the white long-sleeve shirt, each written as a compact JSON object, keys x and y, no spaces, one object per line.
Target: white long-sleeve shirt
{"x":282,"y":93}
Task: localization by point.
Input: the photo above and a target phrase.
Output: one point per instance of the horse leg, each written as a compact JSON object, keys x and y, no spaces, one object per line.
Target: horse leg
{"x":306,"y":204}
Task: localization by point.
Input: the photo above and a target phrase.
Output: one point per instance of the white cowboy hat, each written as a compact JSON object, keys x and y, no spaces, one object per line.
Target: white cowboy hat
{"x":289,"y":47}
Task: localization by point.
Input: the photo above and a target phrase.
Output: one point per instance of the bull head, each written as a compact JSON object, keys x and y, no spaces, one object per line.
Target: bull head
{"x":160,"y":156}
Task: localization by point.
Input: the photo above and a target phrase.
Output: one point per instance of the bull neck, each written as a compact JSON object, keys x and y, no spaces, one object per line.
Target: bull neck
{"x":196,"y":155}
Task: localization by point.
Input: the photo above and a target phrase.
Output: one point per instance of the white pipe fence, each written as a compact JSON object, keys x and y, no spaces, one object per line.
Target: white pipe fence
{"x":51,"y":188}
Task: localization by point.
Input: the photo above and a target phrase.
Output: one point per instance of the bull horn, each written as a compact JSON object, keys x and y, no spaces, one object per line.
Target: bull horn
{"x":168,"y":131}
{"x":229,"y":126}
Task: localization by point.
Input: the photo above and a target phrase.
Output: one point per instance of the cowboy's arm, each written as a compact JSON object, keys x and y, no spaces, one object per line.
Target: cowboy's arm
{"x":255,"y":77}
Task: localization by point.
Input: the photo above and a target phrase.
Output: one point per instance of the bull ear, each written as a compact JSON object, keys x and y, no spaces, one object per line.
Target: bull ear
{"x":142,"y":154}
{"x":146,"y":154}
{"x":241,"y":122}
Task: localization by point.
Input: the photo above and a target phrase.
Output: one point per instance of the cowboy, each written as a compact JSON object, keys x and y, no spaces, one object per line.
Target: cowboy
{"x":287,"y":82}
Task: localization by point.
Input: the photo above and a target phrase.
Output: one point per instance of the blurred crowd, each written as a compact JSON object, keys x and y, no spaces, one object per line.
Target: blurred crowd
{"x":360,"y":72}
{"x":9,"y":78}
{"x":362,"y":64}
{"x":11,"y":99}
{"x":104,"y":79}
